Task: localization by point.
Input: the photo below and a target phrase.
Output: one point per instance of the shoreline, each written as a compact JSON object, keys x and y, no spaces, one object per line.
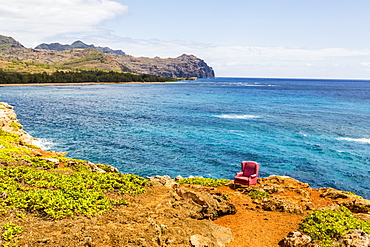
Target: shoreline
{"x":177,"y":214}
{"x":83,"y":83}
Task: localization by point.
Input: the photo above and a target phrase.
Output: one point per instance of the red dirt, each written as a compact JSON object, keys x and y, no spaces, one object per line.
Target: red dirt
{"x":252,"y":226}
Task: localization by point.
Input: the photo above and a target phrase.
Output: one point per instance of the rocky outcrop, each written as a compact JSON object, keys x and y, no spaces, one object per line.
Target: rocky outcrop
{"x":202,"y":203}
{"x":353,"y":202}
{"x":218,"y":236}
{"x":353,"y":238}
{"x":10,"y":123}
{"x":184,"y":66}
{"x":292,"y":196}
{"x":280,"y":205}
{"x":356,"y":238}
{"x":295,"y":239}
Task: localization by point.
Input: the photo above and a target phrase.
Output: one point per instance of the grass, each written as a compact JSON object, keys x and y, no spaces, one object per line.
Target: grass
{"x":256,"y":194}
{"x":204,"y":181}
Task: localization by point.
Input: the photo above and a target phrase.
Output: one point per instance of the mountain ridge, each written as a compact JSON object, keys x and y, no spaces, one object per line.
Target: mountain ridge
{"x":75,"y":56}
{"x":77,"y":45}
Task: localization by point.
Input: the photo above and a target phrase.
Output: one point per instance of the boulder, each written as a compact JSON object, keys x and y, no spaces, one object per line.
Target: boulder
{"x":356,"y":238}
{"x":295,"y":239}
{"x":217,"y":236}
{"x":280,"y":205}
{"x":164,"y":180}
{"x":94,"y":167}
{"x":207,"y":206}
{"x":353,"y":202}
{"x":198,"y":240}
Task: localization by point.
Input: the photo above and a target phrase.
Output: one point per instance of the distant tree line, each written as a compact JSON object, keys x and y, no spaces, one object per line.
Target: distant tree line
{"x":77,"y":77}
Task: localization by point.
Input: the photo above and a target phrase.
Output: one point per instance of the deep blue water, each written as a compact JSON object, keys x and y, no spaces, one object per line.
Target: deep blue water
{"x":317,"y":131}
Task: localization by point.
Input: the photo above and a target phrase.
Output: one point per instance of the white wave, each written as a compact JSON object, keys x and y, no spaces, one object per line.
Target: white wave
{"x":43,"y":143}
{"x":243,"y":84}
{"x":302,"y":134}
{"x":234,"y":116}
{"x":359,"y":140}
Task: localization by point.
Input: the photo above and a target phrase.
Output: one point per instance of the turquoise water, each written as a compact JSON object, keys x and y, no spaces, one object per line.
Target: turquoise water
{"x":316,"y":131}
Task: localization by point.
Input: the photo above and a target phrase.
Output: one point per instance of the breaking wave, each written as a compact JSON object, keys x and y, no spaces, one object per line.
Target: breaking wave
{"x":43,"y":143}
{"x":234,"y":116}
{"x":359,"y":140}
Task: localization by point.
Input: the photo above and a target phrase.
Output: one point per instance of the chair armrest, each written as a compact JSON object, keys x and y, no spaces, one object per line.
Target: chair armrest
{"x":254,"y":176}
{"x":239,"y":174}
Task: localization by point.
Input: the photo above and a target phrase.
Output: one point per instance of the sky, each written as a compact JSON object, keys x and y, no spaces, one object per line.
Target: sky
{"x":238,"y":38}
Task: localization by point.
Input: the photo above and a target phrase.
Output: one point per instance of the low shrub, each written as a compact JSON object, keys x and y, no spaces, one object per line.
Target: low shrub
{"x":327,"y":226}
{"x":204,"y":181}
{"x":58,"y":196}
{"x":256,"y":194}
{"x":11,"y":231}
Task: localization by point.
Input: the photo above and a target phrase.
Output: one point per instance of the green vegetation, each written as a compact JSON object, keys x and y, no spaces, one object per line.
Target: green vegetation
{"x":98,"y":57}
{"x":16,"y":126}
{"x":38,"y":185}
{"x":256,"y":194}
{"x":11,"y":231}
{"x":77,"y":77}
{"x":326,"y":226}
{"x":58,"y":196}
{"x":204,"y":181}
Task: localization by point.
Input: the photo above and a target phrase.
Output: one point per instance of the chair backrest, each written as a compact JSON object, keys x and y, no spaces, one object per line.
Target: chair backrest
{"x":249,"y":168}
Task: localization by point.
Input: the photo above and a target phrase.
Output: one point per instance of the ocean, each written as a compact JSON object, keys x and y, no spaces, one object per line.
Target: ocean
{"x":316,"y":131}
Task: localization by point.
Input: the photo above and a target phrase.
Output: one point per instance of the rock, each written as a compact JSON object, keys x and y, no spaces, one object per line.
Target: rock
{"x":209,"y":206}
{"x":333,"y":193}
{"x":283,"y":184}
{"x":165,"y":180}
{"x":353,"y":202}
{"x":94,"y":167}
{"x":217,"y":236}
{"x":179,"y":177}
{"x":356,"y":238}
{"x":10,"y":123}
{"x":295,"y":239}
{"x":357,"y":205}
{"x":52,"y":160}
{"x":113,"y":169}
{"x":200,"y":241}
{"x":280,"y":205}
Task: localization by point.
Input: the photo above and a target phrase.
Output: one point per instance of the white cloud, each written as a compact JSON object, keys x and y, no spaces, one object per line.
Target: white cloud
{"x":255,"y":61}
{"x":36,"y":20}
{"x":64,"y":21}
{"x":365,"y":64}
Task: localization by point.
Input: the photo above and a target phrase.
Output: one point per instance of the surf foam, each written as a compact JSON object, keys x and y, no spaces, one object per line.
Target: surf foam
{"x":234,"y":116}
{"x":359,"y":140}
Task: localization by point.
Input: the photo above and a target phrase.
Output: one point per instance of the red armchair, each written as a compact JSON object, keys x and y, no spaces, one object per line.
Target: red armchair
{"x":249,"y":173}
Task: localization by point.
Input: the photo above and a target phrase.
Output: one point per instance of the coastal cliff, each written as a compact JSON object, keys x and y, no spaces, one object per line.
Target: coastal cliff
{"x":79,"y":55}
{"x":184,"y":66}
{"x":52,"y":200}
